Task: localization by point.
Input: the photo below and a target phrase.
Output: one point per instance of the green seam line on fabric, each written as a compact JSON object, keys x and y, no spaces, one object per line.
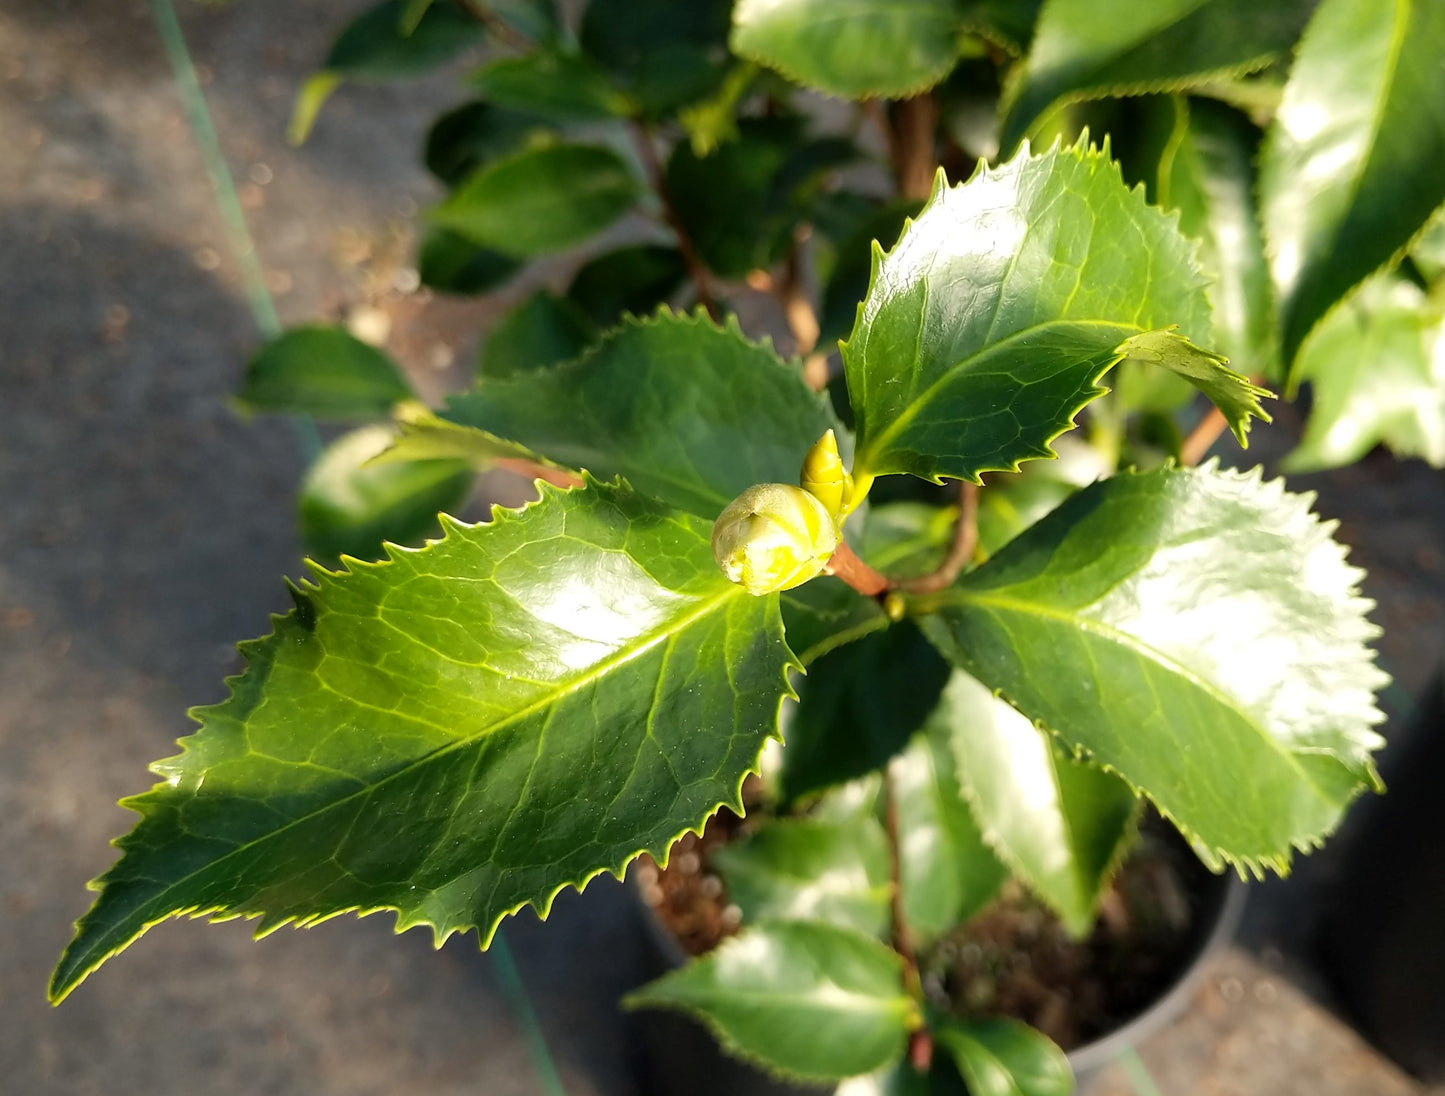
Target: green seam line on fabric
{"x":243,"y":247}
{"x":1138,"y":1075}
{"x":511,"y":980}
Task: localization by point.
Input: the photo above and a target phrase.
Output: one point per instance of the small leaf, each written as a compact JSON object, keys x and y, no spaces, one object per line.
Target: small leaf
{"x":663,"y":402}
{"x":855,"y":49}
{"x":948,"y":872}
{"x":540,"y":199}
{"x":1005,"y":1058}
{"x":1236,"y":398}
{"x":473,"y":134}
{"x":665,"y":54}
{"x":1059,"y":824}
{"x":549,"y":84}
{"x":800,"y":869}
{"x":377,"y":46}
{"x":460,"y":730}
{"x":349,"y":506}
{"x":323,"y":371}
{"x":1376,"y":368}
{"x":1214,"y":658}
{"x":1351,"y":165}
{"x":424,"y":437}
{"x":630,"y":279}
{"x":807,"y":1000}
{"x":989,"y":325}
{"x":858,"y":707}
{"x":450,"y":263}
{"x":543,"y":330}
{"x":1088,"y":49}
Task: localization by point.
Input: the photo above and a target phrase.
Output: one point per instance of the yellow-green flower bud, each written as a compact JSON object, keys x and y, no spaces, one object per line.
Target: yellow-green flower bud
{"x":824,"y":477}
{"x":773,"y":537}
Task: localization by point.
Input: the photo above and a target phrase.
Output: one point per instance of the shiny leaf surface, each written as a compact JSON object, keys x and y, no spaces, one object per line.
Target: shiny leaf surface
{"x":989,"y":325}
{"x":1059,"y":824}
{"x":350,"y":506}
{"x":663,"y":402}
{"x":947,"y":870}
{"x":1005,"y":1058}
{"x":1376,"y":367}
{"x":809,"y":1000}
{"x":460,"y":730}
{"x":1086,"y":49}
{"x":323,"y":371}
{"x":1351,"y":165}
{"x":855,"y":49}
{"x":1185,"y":628}
{"x":540,"y":199}
{"x":801,"y":869}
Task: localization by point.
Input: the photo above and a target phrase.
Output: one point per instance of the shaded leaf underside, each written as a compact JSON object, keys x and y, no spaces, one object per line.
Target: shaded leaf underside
{"x":460,"y":730}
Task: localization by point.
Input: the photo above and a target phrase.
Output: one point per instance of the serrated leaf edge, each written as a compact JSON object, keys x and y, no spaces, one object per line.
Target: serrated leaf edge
{"x":1215,"y":858}
{"x":60,"y":989}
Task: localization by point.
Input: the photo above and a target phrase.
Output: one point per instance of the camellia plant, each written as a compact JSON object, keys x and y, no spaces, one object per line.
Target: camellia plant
{"x":992,"y":676}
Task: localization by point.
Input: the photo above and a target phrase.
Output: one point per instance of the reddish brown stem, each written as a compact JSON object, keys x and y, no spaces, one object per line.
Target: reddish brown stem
{"x":1202,"y":438}
{"x":696,"y":271}
{"x":902,"y":935}
{"x":846,"y":565}
{"x":557,"y":477}
{"x":965,"y":541}
{"x":913,"y":123}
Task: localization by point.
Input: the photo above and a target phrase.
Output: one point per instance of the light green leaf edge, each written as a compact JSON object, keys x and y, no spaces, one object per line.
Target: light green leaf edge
{"x":68,"y":976}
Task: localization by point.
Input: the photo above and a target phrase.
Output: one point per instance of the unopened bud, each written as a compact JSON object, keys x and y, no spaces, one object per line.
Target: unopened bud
{"x":824,"y":477}
{"x":773,"y":536}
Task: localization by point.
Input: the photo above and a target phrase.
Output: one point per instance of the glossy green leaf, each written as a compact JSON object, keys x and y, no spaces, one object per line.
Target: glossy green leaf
{"x":540,"y":199}
{"x":349,"y":506}
{"x":460,"y":730}
{"x":465,"y":138}
{"x":989,"y":325}
{"x":377,"y":46}
{"x":948,"y":872}
{"x":1351,"y":165}
{"x":450,"y":263}
{"x":1207,"y":174}
{"x":855,"y":49}
{"x":323,"y":371}
{"x":1005,"y":1058}
{"x":550,"y":84}
{"x":663,"y":402}
{"x":630,"y":279}
{"x":1214,"y":657}
{"x":1088,"y":49}
{"x":543,"y":330}
{"x":809,"y":1000}
{"x":665,"y":54}
{"x":1061,"y":825}
{"x":1376,"y":368}
{"x":1207,"y":371}
{"x":800,"y":869}
{"x":858,"y":707}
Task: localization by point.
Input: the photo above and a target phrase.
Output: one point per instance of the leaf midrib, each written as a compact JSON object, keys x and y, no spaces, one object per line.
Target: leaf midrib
{"x":663,"y":634}
{"x":868,"y":449}
{"x":1145,"y":650}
